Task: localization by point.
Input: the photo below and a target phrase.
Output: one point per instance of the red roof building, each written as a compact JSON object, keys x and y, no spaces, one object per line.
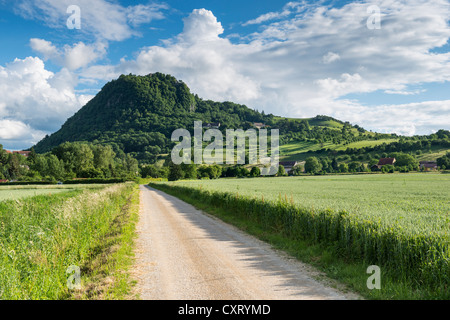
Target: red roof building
{"x":383,"y":162}
{"x":424,"y":165}
{"x":23,"y":153}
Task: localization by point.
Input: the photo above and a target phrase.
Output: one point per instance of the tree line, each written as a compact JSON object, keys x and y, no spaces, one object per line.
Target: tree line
{"x":67,"y":161}
{"x":313,"y":165}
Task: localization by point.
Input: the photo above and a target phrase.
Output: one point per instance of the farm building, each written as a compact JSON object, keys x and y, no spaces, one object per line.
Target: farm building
{"x":3,"y":181}
{"x":385,"y":161}
{"x":259,"y":125}
{"x":23,"y":153}
{"x":428,"y":165}
{"x":213,"y":125}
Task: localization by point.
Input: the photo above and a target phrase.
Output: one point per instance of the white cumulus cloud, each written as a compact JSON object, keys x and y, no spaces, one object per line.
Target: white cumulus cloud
{"x":73,"y":57}
{"x":105,"y":20}
{"x":305,"y":64}
{"x":34,"y":100}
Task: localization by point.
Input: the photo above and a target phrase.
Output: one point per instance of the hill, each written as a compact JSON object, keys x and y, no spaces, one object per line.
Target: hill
{"x":137,"y":115}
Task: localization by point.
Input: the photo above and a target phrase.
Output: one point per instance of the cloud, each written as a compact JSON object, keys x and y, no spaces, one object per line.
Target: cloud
{"x":34,"y":100}
{"x":300,"y":65}
{"x":330,"y":57}
{"x":303,"y":65}
{"x":201,"y":25}
{"x":46,"y":48}
{"x":14,"y":130}
{"x":288,"y":9}
{"x":405,"y":92}
{"x":142,"y":14}
{"x":73,"y":57}
{"x":107,"y":21}
{"x":405,"y":119}
{"x":198,"y":55}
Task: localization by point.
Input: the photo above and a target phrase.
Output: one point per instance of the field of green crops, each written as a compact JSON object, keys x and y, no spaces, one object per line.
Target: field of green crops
{"x":417,"y":202}
{"x":19,"y":192}
{"x":400,"y":222}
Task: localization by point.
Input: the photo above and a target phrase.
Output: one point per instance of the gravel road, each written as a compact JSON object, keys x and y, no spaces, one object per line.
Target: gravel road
{"x":184,"y":254}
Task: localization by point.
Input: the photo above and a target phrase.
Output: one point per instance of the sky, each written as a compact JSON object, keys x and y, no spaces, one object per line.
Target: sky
{"x":381,"y":64}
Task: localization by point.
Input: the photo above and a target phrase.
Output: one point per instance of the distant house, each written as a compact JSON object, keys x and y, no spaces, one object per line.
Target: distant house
{"x":213,"y":125}
{"x":23,"y":153}
{"x":288,"y":165}
{"x":259,"y":125}
{"x":3,"y":181}
{"x":428,"y":165}
{"x":385,"y":161}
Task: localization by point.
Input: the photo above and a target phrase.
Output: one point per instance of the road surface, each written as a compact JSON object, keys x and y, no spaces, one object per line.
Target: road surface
{"x":184,"y":254}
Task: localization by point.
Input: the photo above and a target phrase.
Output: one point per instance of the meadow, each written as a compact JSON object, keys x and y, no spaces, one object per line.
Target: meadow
{"x":42,"y":237}
{"x":300,"y":150}
{"x":19,"y":192}
{"x":400,"y":222}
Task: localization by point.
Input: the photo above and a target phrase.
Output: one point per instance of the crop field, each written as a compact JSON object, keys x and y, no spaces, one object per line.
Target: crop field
{"x":398,"y":221}
{"x":419,"y":202}
{"x":19,"y":192}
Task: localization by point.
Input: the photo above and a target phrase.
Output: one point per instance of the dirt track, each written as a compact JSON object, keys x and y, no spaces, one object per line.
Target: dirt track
{"x":184,"y":254}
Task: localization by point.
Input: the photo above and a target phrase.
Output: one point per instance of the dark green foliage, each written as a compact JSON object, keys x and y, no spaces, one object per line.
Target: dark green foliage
{"x":405,"y":160}
{"x":444,"y":161}
{"x":255,"y":172}
{"x":70,"y":160}
{"x":137,"y":115}
{"x":281,"y":171}
{"x":209,"y":172}
{"x":175,"y":172}
{"x":312,"y":165}
{"x":297,"y":170}
{"x":387,"y":168}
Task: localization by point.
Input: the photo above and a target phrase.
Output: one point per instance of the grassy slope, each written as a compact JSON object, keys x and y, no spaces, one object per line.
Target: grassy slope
{"x":300,"y":150}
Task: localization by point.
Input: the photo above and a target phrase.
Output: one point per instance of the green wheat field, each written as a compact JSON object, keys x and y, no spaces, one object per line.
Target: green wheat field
{"x":400,"y":222}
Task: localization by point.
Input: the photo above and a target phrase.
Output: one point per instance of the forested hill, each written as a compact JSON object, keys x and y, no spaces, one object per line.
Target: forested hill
{"x":137,"y":114}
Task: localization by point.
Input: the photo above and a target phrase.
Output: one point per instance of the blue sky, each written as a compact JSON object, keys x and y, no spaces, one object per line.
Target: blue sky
{"x":297,"y":59}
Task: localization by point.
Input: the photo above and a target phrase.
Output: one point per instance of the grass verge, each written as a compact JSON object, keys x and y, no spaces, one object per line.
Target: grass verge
{"x":107,"y":272}
{"x":48,"y":243}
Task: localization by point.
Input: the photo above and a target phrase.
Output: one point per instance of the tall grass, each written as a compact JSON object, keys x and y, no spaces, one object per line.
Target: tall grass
{"x":420,"y":259}
{"x":40,"y":237}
